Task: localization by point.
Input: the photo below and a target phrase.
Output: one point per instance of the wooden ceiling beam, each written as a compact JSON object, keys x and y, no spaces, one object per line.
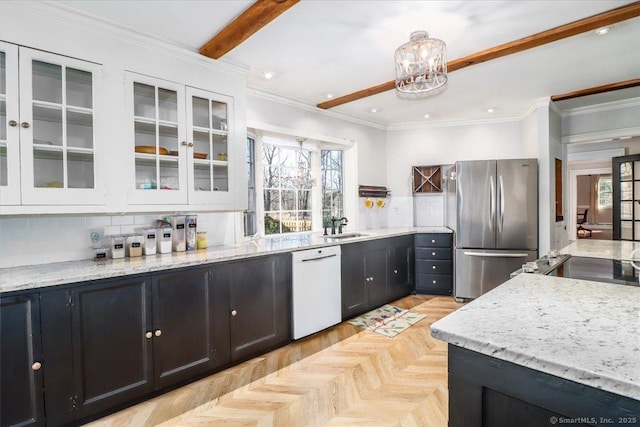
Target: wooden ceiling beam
{"x":597,"y":89}
{"x":244,"y":26}
{"x":601,"y":20}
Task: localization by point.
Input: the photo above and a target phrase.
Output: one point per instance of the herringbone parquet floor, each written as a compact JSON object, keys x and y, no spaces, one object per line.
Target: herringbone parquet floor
{"x":343,"y":376}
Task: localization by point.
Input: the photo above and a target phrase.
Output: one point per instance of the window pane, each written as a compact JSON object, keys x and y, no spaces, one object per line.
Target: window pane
{"x":304,"y":200}
{"x":288,"y":200}
{"x":272,"y":223}
{"x":271,"y":200}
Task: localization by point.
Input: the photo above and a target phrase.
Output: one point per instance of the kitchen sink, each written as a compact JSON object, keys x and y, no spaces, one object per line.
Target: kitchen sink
{"x":331,"y":237}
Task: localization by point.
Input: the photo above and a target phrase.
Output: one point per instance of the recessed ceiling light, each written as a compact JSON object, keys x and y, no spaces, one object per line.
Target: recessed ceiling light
{"x":374,"y":110}
{"x":268,"y":75}
{"x":426,"y":116}
{"x":602,"y":31}
{"x":329,"y":95}
{"x":490,"y":110}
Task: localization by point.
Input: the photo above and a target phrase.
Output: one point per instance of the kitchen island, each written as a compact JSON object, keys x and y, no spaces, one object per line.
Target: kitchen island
{"x":541,"y":350}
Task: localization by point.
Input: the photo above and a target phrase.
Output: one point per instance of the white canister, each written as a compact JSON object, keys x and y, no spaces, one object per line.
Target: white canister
{"x":149,"y":235}
{"x":117,"y":247}
{"x":179,"y":233}
{"x":191,"y":223}
{"x":134,"y":245}
{"x":164,"y":240}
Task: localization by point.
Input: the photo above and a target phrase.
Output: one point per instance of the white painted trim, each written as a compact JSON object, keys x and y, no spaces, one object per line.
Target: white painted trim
{"x":265,"y":127}
{"x":605,"y":106}
{"x":573,"y":195}
{"x":601,"y":136}
{"x":595,"y":155}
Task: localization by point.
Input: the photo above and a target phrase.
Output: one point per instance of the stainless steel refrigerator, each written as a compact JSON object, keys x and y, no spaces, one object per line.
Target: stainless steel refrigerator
{"x":492,"y":205}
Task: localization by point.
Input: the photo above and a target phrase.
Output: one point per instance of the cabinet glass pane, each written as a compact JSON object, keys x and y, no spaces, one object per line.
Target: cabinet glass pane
{"x":220,"y":178}
{"x":637,"y":167}
{"x":169,"y":175}
{"x":80,"y":170}
{"x":636,"y":195}
{"x":626,"y":192}
{"x":625,"y":171}
{"x":219,"y":147}
{"x":144,"y":100}
{"x":201,"y":146}
{"x":168,"y":138}
{"x":167,"y":105}
{"x":79,"y":129}
{"x":47,"y":126}
{"x":145,"y":135}
{"x":218,"y":115}
{"x":3,"y":120}
{"x":47,"y":82}
{"x":637,"y":231}
{"x":626,"y":210}
{"x":200,"y":112}
{"x":202,"y":176}
{"x":625,"y":230}
{"x":79,"y":88}
{"x":48,"y":169}
{"x":3,"y":166}
{"x":146,"y":174}
{"x":3,"y":73}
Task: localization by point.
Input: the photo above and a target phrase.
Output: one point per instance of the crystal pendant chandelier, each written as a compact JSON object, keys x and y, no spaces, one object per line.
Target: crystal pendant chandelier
{"x":421,"y":65}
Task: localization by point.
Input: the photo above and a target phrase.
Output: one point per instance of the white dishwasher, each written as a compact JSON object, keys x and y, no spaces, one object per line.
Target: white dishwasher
{"x":317,"y":301}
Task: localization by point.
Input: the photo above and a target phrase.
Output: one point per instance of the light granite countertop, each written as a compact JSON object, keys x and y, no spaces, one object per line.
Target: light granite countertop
{"x":583,"y":331}
{"x":45,"y":275}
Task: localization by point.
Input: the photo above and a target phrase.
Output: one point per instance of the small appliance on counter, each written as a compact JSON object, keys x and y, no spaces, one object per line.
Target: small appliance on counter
{"x":191,"y":223}
{"x":179,"y":233}
{"x":164,"y":239}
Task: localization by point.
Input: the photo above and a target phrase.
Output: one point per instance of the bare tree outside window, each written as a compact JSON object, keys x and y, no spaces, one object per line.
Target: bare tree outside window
{"x":332,"y":185}
{"x":287,"y":189}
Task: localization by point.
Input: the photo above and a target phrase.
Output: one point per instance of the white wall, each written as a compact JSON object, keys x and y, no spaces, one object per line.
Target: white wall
{"x":440,"y":146}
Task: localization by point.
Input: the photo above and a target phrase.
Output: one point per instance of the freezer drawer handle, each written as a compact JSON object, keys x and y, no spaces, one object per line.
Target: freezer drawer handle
{"x":497,"y":255}
{"x":319,"y":258}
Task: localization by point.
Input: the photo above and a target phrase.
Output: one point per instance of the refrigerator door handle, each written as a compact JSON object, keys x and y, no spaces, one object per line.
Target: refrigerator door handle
{"x":496,"y":255}
{"x":492,"y":203}
{"x":501,"y":201}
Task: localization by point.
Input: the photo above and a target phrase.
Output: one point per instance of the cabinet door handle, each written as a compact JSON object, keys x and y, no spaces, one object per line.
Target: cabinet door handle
{"x":234,"y":312}
{"x":190,"y":144}
{"x":148,"y":334}
{"x":13,"y":123}
{"x":433,"y":241}
{"x":183,"y":143}
{"x":395,"y":271}
{"x":158,"y":332}
{"x":36,"y":366}
{"x":25,"y":125}
{"x":434,"y":282}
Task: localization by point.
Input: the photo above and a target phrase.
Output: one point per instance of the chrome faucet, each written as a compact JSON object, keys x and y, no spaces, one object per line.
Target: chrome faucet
{"x":342,"y":222}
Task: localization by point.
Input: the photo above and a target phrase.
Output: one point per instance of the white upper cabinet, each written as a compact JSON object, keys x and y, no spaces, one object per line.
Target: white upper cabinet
{"x":9,"y":126}
{"x":48,"y":117}
{"x":179,"y":143}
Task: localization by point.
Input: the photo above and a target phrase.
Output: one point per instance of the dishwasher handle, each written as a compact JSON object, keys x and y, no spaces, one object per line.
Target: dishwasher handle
{"x":318,"y":258}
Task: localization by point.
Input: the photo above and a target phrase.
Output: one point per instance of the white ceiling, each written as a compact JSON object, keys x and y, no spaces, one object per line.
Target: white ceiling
{"x":328,"y":46}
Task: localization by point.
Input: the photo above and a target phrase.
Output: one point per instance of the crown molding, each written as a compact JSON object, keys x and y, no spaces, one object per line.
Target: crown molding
{"x":598,"y":108}
{"x":312,"y":108}
{"x":606,"y":135}
{"x":89,"y":22}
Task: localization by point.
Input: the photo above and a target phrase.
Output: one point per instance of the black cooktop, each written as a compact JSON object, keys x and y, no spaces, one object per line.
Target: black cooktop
{"x":598,"y":270}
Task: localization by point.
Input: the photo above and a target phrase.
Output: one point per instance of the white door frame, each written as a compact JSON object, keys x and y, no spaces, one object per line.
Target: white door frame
{"x":573,"y":194}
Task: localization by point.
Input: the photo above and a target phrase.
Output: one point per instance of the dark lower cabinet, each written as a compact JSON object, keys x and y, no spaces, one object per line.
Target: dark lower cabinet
{"x":259,"y":304}
{"x":375,"y":273}
{"x":434,"y":263}
{"x":21,"y":381}
{"x":183,"y":340}
{"x":112,"y":343}
{"x":489,"y":392}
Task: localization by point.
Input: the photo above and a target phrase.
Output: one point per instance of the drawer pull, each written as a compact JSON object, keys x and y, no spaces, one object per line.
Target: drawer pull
{"x":433,"y":254}
{"x":434,"y":267}
{"x":433,"y":241}
{"x":434,"y":282}
{"x":395,"y":271}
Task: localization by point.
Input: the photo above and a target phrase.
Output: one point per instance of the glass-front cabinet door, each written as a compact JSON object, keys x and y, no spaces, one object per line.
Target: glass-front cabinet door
{"x":626,"y":197}
{"x":9,"y":126}
{"x":160,"y":145}
{"x":57,"y":130}
{"x":208,"y":119}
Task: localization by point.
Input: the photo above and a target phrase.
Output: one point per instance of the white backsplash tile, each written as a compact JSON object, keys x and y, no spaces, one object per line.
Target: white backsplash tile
{"x":429,"y":210}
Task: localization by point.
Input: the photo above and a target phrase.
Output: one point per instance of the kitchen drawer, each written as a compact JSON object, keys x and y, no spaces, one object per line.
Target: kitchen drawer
{"x":434,"y":284}
{"x":438,"y":240}
{"x":433,"y":267}
{"x":433,"y":253}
